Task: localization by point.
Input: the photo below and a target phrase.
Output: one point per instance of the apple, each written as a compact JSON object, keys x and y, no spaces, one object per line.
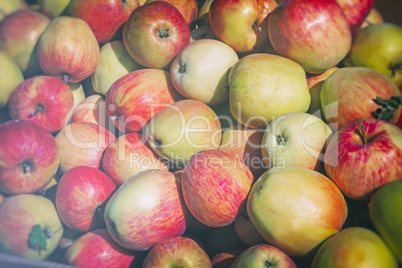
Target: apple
{"x":363,"y":155}
{"x":29,"y":226}
{"x":355,"y":11}
{"x":203,"y":13}
{"x":354,"y":247}
{"x":350,"y":93}
{"x":97,"y":249}
{"x":263,"y":255}
{"x":130,"y":102}
{"x":68,"y":49}
{"x":245,"y":145}
{"x":82,"y":144}
{"x":114,"y":62}
{"x":314,"y":83}
{"x":241,"y":24}
{"x":145,"y":210}
{"x":82,"y":193}
{"x":214,"y":185}
{"x":254,"y":102}
{"x":155,"y":33}
{"x":313,"y":33}
{"x":200,"y":71}
{"x":187,"y":8}
{"x":384,"y":211}
{"x":10,"y":6}
{"x":245,"y":229}
{"x":45,"y":100}
{"x":225,"y":259}
{"x":297,"y":139}
{"x":19,"y":34}
{"x":202,"y":32}
{"x":177,"y":252}
{"x":129,"y":155}
{"x":373,"y":17}
{"x":378,"y":47}
{"x":29,"y":157}
{"x":182,"y":129}
{"x":52,"y":8}
{"x":296,"y":208}
{"x":104,"y":17}
{"x":10,"y":75}
{"x":78,"y":92}
{"x":92,"y":109}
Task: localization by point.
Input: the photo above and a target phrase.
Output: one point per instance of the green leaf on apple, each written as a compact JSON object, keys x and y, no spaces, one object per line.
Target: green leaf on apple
{"x":37,"y":238}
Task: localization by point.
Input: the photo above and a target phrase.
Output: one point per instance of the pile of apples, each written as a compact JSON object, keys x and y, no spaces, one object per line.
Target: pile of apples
{"x":216,"y":133}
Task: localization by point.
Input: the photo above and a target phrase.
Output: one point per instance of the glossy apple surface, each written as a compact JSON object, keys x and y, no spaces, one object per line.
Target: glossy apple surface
{"x":92,"y":109}
{"x":188,"y":8}
{"x":11,"y":76}
{"x":355,"y":11}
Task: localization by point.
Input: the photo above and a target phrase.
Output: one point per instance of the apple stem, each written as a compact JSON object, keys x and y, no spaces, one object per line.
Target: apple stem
{"x":164,"y":33}
{"x":27,"y":166}
{"x":39,"y":109}
{"x":280,"y":140}
{"x":269,"y":264}
{"x":65,"y":78}
{"x":363,"y":128}
{"x":182,"y":69}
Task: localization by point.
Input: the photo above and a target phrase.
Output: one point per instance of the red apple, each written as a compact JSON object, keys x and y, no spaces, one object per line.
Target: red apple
{"x":241,"y":24}
{"x":97,"y":249}
{"x":136,"y":97}
{"x":91,"y":109}
{"x":82,"y":144}
{"x":355,"y":11}
{"x":363,"y":155}
{"x":68,"y":49}
{"x":129,"y":155}
{"x":188,"y":8}
{"x":29,"y":226}
{"x":225,"y":259}
{"x":29,"y":157}
{"x":19,"y":33}
{"x":245,"y":228}
{"x":155,"y":33}
{"x":45,"y":100}
{"x":214,"y":186}
{"x":314,"y":33}
{"x":104,"y":17}
{"x":81,"y":195}
{"x":145,"y":210}
{"x":177,"y":252}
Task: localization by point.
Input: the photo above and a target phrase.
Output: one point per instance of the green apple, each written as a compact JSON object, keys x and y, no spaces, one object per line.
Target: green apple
{"x":52,"y":8}
{"x":386,"y":215}
{"x":9,"y":6}
{"x":295,"y":139}
{"x":78,"y":92}
{"x":201,"y":69}
{"x":114,"y":62}
{"x":378,"y":47}
{"x":182,"y":129}
{"x":10,"y":76}
{"x":264,"y":86}
{"x":354,"y":247}
{"x":295,"y":209}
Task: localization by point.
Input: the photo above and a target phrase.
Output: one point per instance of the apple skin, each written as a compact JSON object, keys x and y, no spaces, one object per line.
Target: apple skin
{"x":342,"y":249}
{"x":214,"y":185}
{"x":104,"y":17}
{"x":130,"y":102}
{"x":263,"y":255}
{"x":253,"y":101}
{"x":128,"y":155}
{"x":23,"y":218}
{"x":114,"y":63}
{"x":82,"y":144}
{"x":312,"y":209}
{"x":188,"y":8}
{"x":297,"y":139}
{"x":81,"y":195}
{"x":183,"y":129}
{"x":350,"y":93}
{"x":19,"y":34}
{"x":97,"y":249}
{"x":245,"y":229}
{"x":378,"y":47}
{"x":92,"y":109}
{"x":78,"y":92}
{"x":373,"y":17}
{"x":241,"y":24}
{"x":155,"y":33}
{"x":68,"y":49}
{"x":177,"y":252}
{"x":355,"y":11}
{"x":313,"y":33}
{"x":201,"y":69}
{"x":52,"y":8}
{"x":364,"y":155}
{"x":225,"y":258}
{"x":10,"y":6}
{"x":145,"y":210}
{"x":26,"y":169}
{"x":10,"y":75}
{"x":384,"y":211}
{"x":44,"y":100}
